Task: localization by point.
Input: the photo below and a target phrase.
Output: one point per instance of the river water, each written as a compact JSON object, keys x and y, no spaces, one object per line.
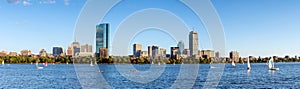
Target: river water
{"x":163,"y":76}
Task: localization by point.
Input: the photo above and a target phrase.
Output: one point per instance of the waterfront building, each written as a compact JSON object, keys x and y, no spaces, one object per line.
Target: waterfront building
{"x":102,"y":39}
{"x":43,"y":53}
{"x":75,"y":48}
{"x":234,"y":55}
{"x":186,"y":52}
{"x":181,"y":47}
{"x":155,"y":52}
{"x":103,"y":52}
{"x":13,"y":54}
{"x":217,"y":54}
{"x":137,"y":49}
{"x":25,"y":53}
{"x":3,"y":53}
{"x":150,"y":51}
{"x":162,"y":52}
{"x":144,"y":54}
{"x":56,"y":51}
{"x":207,"y":54}
{"x":174,"y":52}
{"x":69,"y":51}
{"x":86,"y":48}
{"x":193,"y":43}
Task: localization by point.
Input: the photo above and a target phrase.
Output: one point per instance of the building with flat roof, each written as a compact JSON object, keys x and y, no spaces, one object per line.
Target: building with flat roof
{"x":56,"y":52}
{"x":174,"y":52}
{"x":193,"y":43}
{"x":102,"y":38}
{"x":234,"y":55}
{"x":137,"y":49}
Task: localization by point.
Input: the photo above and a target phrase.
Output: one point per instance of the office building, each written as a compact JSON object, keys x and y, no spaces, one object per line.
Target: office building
{"x":234,"y":55}
{"x":25,"y":53}
{"x":155,"y":52}
{"x":162,"y":52}
{"x":207,"y":54}
{"x":75,"y":48}
{"x":186,"y":52}
{"x":150,"y":51}
{"x":137,"y":49}
{"x":181,"y":47}
{"x":86,"y":48}
{"x":193,"y":43}
{"x":103,"y":53}
{"x":174,"y":52}
{"x":56,"y":51}
{"x":144,"y":54}
{"x":43,"y":53}
{"x":102,"y":39}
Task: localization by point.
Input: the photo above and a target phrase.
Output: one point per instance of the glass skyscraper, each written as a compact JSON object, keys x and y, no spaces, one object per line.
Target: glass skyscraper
{"x":102,"y":36}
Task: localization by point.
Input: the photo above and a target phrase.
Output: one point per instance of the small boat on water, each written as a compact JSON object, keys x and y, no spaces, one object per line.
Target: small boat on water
{"x":96,"y":63}
{"x":91,"y":64}
{"x":248,"y":62}
{"x":158,"y":63}
{"x":233,"y":64}
{"x":45,"y":64}
{"x":3,"y":63}
{"x":38,"y":67}
{"x":271,"y":65}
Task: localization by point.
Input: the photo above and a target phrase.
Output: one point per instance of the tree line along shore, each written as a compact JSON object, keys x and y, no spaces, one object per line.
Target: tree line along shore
{"x":128,"y":60}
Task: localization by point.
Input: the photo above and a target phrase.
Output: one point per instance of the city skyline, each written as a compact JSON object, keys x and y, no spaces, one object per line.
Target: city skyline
{"x":251,"y":27}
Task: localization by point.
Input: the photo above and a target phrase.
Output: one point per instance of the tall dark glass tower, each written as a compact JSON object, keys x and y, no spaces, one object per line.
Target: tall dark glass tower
{"x":102,"y":37}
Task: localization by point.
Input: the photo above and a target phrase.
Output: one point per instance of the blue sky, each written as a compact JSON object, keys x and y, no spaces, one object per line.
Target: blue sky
{"x":252,"y":27}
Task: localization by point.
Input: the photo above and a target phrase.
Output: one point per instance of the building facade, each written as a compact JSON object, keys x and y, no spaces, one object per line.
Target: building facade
{"x":207,"y":54}
{"x":193,"y":43}
{"x":234,"y":55}
{"x":56,"y":51}
{"x":155,"y":51}
{"x":137,"y":49}
{"x":181,"y":47}
{"x":150,"y":51}
{"x":174,"y":52}
{"x":102,"y":38}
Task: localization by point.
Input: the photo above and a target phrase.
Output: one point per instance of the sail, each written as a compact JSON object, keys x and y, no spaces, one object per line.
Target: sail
{"x":248,"y":63}
{"x":232,"y":63}
{"x":3,"y":62}
{"x":270,"y":64}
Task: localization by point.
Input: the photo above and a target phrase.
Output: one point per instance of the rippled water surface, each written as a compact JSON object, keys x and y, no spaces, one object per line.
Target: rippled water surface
{"x":65,"y":76}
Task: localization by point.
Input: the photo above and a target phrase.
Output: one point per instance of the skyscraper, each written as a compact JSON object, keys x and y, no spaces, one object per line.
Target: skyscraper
{"x":75,"y":48}
{"x":137,"y":49}
{"x":155,"y":51}
{"x":181,"y":47}
{"x":57,"y":51}
{"x":102,"y":37}
{"x":162,"y":52}
{"x":150,"y":51}
{"x":193,"y":43}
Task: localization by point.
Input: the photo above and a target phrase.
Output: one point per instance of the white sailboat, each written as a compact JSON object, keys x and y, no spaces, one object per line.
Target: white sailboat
{"x":158,"y":63}
{"x":271,"y":65}
{"x":91,"y":63}
{"x":3,"y":63}
{"x":96,"y":63}
{"x":233,"y":64}
{"x":248,"y":62}
{"x":38,"y":67}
